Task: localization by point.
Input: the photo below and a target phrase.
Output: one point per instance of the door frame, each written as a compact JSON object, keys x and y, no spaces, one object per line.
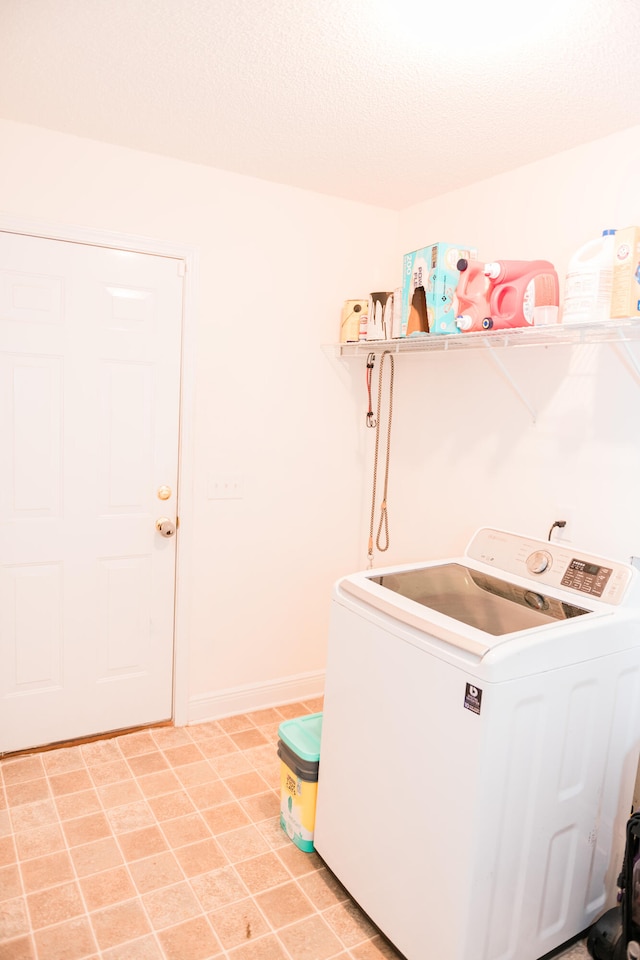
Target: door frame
{"x":186,"y":441}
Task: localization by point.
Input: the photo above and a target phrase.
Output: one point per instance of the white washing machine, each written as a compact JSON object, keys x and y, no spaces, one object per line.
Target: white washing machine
{"x":480,"y":743}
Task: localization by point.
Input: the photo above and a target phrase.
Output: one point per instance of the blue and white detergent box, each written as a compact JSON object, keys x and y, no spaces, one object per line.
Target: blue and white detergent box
{"x":429,"y":280}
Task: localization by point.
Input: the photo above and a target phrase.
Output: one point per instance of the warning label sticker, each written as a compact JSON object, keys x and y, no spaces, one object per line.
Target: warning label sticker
{"x":472,"y":698}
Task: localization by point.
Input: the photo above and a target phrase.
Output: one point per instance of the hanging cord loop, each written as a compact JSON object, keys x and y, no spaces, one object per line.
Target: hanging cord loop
{"x":371,"y":420}
{"x":382,"y":538}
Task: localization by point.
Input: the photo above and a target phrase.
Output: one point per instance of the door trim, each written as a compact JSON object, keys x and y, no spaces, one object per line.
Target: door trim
{"x":186,"y":441}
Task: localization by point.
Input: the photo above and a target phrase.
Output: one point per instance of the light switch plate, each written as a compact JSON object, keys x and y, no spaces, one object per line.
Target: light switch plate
{"x":225,"y":487}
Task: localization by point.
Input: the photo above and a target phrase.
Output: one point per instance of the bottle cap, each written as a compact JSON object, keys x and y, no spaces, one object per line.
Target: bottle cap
{"x":608,"y":233}
{"x":491,"y":270}
{"x":464,"y":322}
{"x":462,"y":264}
{"x":487,"y":323}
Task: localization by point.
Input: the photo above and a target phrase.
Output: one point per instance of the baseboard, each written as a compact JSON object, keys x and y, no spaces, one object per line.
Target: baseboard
{"x":259,"y":696}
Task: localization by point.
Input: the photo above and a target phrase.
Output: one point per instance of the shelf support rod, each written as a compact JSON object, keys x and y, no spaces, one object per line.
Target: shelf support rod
{"x":514,"y":386}
{"x":631,"y":357}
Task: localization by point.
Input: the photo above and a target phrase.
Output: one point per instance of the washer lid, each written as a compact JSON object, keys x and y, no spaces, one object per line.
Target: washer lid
{"x":478,"y":599}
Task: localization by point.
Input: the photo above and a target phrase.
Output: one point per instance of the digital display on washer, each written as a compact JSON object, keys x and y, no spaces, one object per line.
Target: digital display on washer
{"x":586,"y":577}
{"x":478,"y":599}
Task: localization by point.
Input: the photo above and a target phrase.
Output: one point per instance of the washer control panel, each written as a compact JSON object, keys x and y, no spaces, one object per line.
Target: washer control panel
{"x":552,"y":564}
{"x":587,"y":577}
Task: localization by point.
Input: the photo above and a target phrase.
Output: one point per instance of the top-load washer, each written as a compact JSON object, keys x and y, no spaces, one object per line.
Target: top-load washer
{"x":480,"y":743}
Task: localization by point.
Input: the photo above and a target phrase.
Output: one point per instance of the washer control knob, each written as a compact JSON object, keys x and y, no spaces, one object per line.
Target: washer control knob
{"x":539,"y":561}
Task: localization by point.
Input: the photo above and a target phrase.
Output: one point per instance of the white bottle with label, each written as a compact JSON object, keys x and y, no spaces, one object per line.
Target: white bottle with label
{"x":587,"y":295}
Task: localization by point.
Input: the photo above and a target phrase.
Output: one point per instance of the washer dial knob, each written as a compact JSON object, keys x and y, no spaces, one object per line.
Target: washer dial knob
{"x":539,"y":561}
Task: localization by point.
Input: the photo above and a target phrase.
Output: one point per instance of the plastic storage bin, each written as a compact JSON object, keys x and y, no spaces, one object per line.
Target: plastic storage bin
{"x":299,"y":751}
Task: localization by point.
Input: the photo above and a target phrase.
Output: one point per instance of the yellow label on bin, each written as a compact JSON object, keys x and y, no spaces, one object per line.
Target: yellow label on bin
{"x":297,"y":807}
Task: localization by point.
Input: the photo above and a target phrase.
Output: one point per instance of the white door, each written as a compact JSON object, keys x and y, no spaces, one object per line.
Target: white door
{"x":89,"y":411}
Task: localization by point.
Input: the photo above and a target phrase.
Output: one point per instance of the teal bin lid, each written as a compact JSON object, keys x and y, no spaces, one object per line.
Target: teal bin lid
{"x":303,"y":735}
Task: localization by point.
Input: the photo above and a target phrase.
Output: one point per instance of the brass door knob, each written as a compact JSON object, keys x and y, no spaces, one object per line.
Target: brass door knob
{"x":165,"y":527}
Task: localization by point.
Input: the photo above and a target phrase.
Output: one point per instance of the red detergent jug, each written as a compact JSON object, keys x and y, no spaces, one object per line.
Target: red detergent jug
{"x":517,"y":287}
{"x":472,"y":295}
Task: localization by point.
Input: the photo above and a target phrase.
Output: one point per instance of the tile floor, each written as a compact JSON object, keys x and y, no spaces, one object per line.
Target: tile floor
{"x":166,"y":845}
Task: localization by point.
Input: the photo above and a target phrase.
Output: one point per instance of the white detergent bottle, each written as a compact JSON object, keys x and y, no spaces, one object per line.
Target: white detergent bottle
{"x":587,"y":295}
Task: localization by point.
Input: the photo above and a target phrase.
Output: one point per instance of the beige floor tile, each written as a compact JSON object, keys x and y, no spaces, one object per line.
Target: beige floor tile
{"x":21,"y":769}
{"x":63,"y":760}
{"x":10,"y":884}
{"x":28,"y":816}
{"x":289,"y":711}
{"x":142,"y":843}
{"x":242,"y":844}
{"x":134,"y":744}
{"x":269,"y":715}
{"x":311,"y":939}
{"x":167,"y":737}
{"x":233,"y":724}
{"x":39,"y":842}
{"x":70,"y":782}
{"x":147,"y":763}
{"x":193,"y":939}
{"x":170,"y":806}
{"x":118,"y":924}
{"x":285,"y":904}
{"x":274,"y":834}
{"x":225,"y":817}
{"x":107,"y":888}
{"x":154,"y":872}
{"x":74,"y":805}
{"x":96,"y":857}
{"x":100,"y":751}
{"x":14,"y":918}
{"x":263,"y":806}
{"x":29,"y":791}
{"x":207,"y":795}
{"x":73,"y":940}
{"x":8,"y":852}
{"x":157,"y":784}
{"x":130,"y":816}
{"x":171,"y":905}
{"x":298,"y":861}
{"x":181,"y":756}
{"x":248,"y":738}
{"x":265,"y":948}
{"x":6,"y":827}
{"x":220,"y":746}
{"x":206,"y":730}
{"x":55,"y":905}
{"x":112,"y":772}
{"x":46,"y":871}
{"x":246,"y":784}
{"x":146,"y":948}
{"x":323,"y":889}
{"x":315,"y":705}
{"x":202,"y":857}
{"x":237,"y":923}
{"x":349,"y":923}
{"x":218,"y":888}
{"x":263,"y":872}
{"x":194,"y":774}
{"x":231,"y":764}
{"x":20,"y":949}
{"x":185,"y":830}
{"x":376,"y":949}
{"x":86,"y":829}
{"x":120,"y":793}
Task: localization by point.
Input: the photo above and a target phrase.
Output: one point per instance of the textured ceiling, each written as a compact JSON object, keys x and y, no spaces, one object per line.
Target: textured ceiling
{"x":383,"y":101}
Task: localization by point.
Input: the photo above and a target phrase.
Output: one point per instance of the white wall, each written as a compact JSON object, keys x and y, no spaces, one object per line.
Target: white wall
{"x":466,"y":451}
{"x":271,"y":406}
